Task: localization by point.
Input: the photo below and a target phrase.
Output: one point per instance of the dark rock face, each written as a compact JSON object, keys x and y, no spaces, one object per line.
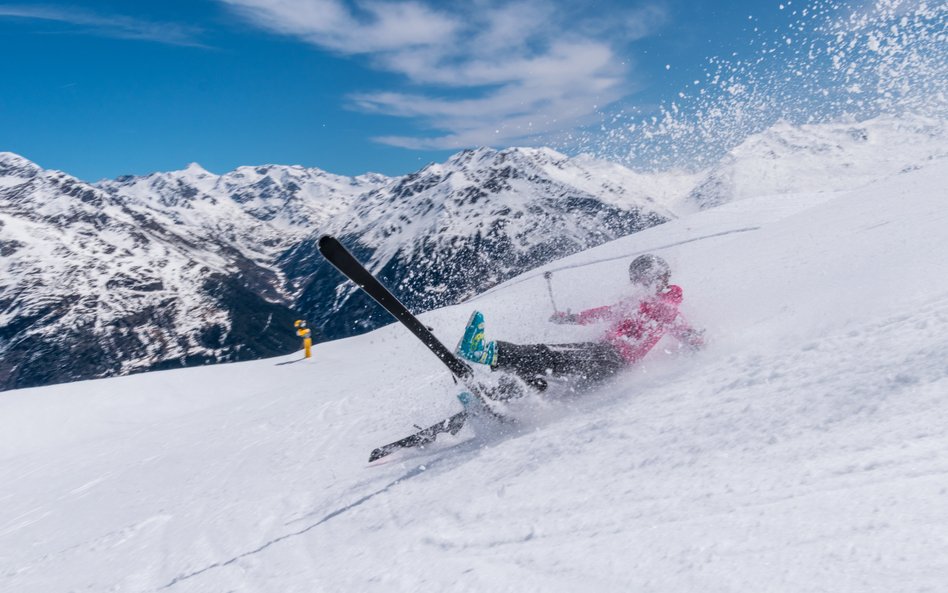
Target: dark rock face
{"x":187,"y":268}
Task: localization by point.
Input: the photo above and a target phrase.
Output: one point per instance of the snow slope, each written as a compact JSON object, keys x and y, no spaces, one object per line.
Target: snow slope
{"x":803,"y":450}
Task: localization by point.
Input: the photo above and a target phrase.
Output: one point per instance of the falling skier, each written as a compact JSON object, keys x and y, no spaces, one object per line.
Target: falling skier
{"x":634,"y":326}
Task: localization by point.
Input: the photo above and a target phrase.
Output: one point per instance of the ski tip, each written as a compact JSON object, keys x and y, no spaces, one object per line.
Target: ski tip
{"x":379,"y":453}
{"x":326,"y":240}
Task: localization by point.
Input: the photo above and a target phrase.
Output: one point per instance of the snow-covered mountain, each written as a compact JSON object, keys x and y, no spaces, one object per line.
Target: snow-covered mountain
{"x":258,"y":210}
{"x":454,"y":229}
{"x":802,"y":450}
{"x":98,"y":284}
{"x":187,"y":267}
{"x":821,"y":157}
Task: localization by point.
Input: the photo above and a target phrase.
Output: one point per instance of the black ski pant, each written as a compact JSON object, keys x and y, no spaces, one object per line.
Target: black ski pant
{"x":588,"y":361}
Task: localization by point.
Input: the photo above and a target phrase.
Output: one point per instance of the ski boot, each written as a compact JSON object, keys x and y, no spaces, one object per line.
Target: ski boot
{"x":472,"y":346}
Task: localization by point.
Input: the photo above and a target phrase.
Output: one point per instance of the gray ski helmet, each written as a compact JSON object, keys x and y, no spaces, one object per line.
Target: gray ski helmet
{"x":649,"y":269}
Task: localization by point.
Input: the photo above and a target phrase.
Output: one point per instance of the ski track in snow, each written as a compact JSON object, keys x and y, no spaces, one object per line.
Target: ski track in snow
{"x":803,"y":450}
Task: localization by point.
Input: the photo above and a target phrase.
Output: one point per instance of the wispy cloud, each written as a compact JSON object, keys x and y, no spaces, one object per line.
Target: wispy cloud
{"x":480,"y":71}
{"x":115,"y":26}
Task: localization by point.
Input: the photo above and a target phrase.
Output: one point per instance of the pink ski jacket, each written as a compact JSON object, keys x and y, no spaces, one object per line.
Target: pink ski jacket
{"x":635,"y":326}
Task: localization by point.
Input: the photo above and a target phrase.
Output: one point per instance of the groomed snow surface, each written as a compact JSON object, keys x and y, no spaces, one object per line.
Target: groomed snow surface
{"x":803,"y":450}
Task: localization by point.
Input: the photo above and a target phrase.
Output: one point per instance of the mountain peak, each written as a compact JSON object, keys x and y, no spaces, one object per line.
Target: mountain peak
{"x":522,"y":155}
{"x":12,"y":164}
{"x":196,"y":170}
{"x":11,"y":157}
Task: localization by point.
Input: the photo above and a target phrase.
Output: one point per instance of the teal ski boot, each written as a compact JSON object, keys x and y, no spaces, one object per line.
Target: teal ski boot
{"x":472,"y":346}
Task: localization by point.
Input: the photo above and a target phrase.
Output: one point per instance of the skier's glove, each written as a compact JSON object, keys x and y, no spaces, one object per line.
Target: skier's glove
{"x":564,"y":317}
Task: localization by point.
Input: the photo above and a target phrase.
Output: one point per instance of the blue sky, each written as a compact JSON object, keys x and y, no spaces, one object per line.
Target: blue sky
{"x":104,"y":88}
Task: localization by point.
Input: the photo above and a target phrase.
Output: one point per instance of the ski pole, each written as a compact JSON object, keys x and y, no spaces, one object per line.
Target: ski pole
{"x":549,"y":287}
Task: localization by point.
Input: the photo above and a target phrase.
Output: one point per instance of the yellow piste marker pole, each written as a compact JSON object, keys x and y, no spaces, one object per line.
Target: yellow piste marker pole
{"x":304,"y":332}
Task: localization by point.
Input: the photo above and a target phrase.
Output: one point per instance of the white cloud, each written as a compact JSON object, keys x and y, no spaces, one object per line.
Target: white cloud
{"x":331,"y":24}
{"x":117,"y":26}
{"x":481,"y":71}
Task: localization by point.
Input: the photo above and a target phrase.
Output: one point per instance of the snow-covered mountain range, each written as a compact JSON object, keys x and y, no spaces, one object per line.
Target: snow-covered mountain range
{"x":188,"y":267}
{"x":139,"y":273}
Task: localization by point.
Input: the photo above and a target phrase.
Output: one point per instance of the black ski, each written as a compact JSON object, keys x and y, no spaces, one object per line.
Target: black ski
{"x":350,"y":267}
{"x":424,"y":436}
